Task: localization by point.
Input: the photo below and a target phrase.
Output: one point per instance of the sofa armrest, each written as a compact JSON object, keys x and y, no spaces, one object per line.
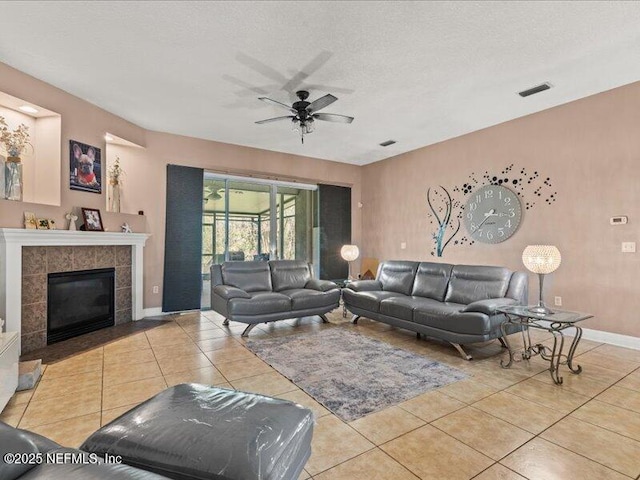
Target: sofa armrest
{"x":228,"y":292}
{"x":365,"y":285}
{"x":489,"y":305}
{"x":320,"y":285}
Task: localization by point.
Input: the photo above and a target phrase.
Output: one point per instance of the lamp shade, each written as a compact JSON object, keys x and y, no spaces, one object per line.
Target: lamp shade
{"x":349,"y":252}
{"x":541,"y":258}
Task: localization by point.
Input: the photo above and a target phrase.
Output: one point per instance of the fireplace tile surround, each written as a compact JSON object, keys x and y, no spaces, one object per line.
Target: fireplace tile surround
{"x":38,"y":262}
{"x":28,"y":256}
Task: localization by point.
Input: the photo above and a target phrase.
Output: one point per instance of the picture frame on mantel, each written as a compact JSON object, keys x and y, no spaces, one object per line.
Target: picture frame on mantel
{"x":92,"y":220}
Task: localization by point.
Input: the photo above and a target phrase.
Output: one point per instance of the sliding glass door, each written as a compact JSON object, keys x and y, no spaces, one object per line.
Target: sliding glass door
{"x":247,"y":219}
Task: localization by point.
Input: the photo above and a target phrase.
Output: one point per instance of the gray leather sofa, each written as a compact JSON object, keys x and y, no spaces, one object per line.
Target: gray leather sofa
{"x":455,"y":303}
{"x":257,"y":292}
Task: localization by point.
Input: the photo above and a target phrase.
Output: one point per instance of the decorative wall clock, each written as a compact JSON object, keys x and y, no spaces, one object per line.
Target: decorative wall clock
{"x":492,"y":214}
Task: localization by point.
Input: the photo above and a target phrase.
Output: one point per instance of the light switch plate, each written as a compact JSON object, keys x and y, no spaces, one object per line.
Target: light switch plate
{"x":403,"y":245}
{"x":628,"y":247}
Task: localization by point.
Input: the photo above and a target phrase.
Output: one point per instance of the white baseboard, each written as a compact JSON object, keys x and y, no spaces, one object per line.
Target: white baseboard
{"x":153,"y":312}
{"x":617,"y":339}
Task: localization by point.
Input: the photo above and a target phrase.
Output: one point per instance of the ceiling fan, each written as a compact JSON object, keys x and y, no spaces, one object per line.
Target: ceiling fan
{"x":304,"y":114}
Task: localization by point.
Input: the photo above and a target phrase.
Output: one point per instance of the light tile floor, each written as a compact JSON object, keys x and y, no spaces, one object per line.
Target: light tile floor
{"x":498,"y":424}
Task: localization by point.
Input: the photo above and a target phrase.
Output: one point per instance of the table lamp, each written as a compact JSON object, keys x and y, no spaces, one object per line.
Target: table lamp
{"x":541,"y":259}
{"x":350,"y":253}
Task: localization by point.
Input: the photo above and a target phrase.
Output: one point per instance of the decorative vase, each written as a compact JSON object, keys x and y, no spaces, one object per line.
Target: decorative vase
{"x":13,"y":179}
{"x":114,"y":204}
{"x":3,"y":161}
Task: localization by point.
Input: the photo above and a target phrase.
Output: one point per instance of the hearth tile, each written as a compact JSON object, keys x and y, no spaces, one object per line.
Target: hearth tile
{"x":483,"y":432}
{"x":499,"y":472}
{"x":175,"y":350}
{"x":115,"y":396}
{"x":123,"y":299}
{"x":34,"y":318}
{"x":372,"y":465}
{"x":631,"y":381}
{"x":549,"y":396}
{"x":621,"y":397}
{"x":123,"y":255}
{"x":72,"y":432}
{"x":33,"y":341}
{"x":50,"y":387}
{"x":134,"y":342}
{"x":112,"y":414}
{"x":519,"y":411}
{"x":206,"y":376}
{"x":184,"y":363}
{"x":34,"y":289}
{"x":123,"y":276}
{"x":212,"y":344}
{"x":115,"y":374}
{"x":608,"y":448}
{"x":84,"y":258}
{"x":56,"y":409}
{"x":112,"y":357}
{"x":105,"y":256}
{"x":431,"y":405}
{"x":540,"y":459}
{"x":468,"y":391}
{"x":230,"y":354}
{"x":300,"y":397}
{"x":430,"y":453}
{"x":611,"y":417}
{"x":123,"y":316}
{"x":334,"y":442}
{"x":387,"y":424}
{"x":243,"y":368}
{"x":34,"y":260}
{"x":272,"y":384}
{"x":59,"y":259}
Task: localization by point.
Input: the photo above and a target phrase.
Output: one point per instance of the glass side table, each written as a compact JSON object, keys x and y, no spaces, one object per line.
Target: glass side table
{"x":555,"y":323}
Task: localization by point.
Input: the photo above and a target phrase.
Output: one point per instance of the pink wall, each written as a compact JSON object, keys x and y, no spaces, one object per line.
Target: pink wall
{"x":591,"y":151}
{"x":87,"y":123}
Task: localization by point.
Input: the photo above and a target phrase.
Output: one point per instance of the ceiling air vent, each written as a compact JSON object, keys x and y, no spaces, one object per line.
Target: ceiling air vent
{"x":387,"y":143}
{"x":537,"y":89}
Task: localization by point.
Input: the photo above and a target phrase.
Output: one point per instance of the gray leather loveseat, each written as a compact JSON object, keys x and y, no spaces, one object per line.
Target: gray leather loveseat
{"x":257,"y":292}
{"x":455,"y":303}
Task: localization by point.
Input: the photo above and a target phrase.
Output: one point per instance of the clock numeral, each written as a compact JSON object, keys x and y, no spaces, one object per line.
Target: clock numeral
{"x":470,"y":216}
{"x":473,"y":226}
{"x":490,"y":235}
{"x":512,"y":212}
{"x":479,"y":232}
{"x":488,"y":194}
{"x":479,"y":198}
{"x":473,"y":206}
{"x":507,"y":200}
{"x":508,"y":224}
{"x":500,"y":232}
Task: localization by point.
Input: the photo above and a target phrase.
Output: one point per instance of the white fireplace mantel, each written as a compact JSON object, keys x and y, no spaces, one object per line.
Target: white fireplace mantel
{"x":13,"y":239}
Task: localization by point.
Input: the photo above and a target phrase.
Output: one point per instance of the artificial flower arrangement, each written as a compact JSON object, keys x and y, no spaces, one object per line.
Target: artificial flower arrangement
{"x":14,"y":142}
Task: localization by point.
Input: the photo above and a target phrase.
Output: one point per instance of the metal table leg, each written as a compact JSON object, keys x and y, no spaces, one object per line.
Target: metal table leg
{"x":503,"y":329}
{"x":572,"y":351}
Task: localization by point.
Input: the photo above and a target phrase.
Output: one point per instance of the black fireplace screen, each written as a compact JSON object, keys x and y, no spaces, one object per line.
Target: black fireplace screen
{"x":79,"y":302}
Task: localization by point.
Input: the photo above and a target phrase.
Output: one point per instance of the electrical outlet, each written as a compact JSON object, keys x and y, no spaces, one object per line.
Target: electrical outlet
{"x":156,"y":289}
{"x":403,"y":245}
{"x":628,"y":247}
{"x":558,"y":301}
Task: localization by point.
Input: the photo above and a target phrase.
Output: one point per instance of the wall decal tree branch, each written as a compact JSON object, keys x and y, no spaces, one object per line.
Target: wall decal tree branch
{"x":445,"y":221}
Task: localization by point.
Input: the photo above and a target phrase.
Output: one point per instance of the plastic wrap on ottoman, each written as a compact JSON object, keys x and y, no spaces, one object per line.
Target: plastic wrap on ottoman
{"x":193,"y":431}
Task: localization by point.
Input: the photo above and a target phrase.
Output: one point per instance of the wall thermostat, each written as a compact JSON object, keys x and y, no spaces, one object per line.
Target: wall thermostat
{"x":620,"y":220}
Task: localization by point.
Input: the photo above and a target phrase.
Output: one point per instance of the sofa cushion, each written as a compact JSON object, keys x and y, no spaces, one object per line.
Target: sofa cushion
{"x":451,"y":318}
{"x":289,"y":274}
{"x":247,"y":276}
{"x":470,"y":283}
{"x":259,"y":303}
{"x":432,"y":280}
{"x":397,"y":276}
{"x":402,"y":307}
{"x":16,"y":441}
{"x":304,"y":298}
{"x":367,"y":300}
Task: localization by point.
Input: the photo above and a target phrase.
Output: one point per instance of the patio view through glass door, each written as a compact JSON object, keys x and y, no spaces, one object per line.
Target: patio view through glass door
{"x":247,"y":219}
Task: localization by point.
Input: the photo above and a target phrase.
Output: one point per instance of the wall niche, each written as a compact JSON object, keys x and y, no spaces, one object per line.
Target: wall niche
{"x":41,"y":162}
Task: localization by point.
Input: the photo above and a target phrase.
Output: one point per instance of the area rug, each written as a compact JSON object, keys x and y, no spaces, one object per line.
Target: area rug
{"x":350,"y":374}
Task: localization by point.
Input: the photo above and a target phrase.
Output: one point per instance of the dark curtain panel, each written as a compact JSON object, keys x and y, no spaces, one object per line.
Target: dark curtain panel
{"x":334,"y":205}
{"x":183,"y":239}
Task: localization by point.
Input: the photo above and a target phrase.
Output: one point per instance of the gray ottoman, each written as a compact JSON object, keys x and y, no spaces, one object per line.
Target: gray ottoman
{"x":193,"y":431}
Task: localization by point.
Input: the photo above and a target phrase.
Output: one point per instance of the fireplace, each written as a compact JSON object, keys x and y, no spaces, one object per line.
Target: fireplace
{"x":79,"y":302}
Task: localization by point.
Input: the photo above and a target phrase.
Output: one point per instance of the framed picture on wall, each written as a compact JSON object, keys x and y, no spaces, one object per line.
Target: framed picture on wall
{"x":92,"y":220}
{"x":85,"y":167}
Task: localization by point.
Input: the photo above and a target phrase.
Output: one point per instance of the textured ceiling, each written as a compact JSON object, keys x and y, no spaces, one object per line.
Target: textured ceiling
{"x":415,"y":72}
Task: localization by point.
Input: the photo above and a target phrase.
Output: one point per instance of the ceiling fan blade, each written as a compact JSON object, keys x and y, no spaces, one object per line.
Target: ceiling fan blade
{"x":269,"y":120}
{"x":277,"y":104}
{"x":321,"y":103}
{"x":333,"y":117}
